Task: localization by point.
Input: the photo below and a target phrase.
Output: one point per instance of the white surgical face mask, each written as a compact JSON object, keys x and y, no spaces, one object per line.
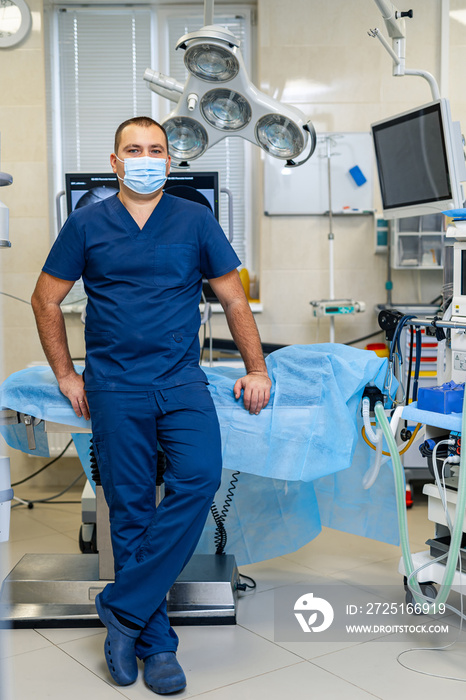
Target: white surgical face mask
{"x":144,"y":175}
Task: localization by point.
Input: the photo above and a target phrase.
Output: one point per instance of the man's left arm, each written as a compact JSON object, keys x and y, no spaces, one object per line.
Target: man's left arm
{"x":256,"y":383}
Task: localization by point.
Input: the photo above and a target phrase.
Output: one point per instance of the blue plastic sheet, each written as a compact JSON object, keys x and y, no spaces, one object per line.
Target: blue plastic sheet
{"x":301,"y":460}
{"x":309,"y":428}
{"x":267,"y":517}
{"x":16,"y":437}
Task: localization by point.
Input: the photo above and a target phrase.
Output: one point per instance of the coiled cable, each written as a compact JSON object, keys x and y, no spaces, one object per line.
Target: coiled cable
{"x":220,"y":537}
{"x":94,"y":466}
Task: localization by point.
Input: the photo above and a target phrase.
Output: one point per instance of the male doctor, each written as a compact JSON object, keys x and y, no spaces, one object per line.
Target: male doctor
{"x":142,"y":255}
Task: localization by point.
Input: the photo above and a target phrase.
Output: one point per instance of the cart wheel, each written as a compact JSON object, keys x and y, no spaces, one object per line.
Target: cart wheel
{"x":88,"y":546}
{"x":427,"y":589}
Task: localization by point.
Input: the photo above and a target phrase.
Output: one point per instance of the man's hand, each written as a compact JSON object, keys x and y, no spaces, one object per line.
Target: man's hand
{"x":72,"y":386}
{"x":256,"y":388}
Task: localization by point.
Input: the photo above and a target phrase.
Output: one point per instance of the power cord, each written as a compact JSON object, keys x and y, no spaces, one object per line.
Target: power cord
{"x":442,"y":492}
{"x":245,"y":586}
{"x":46,"y":466}
{"x":24,"y":301}
{"x":365,"y":337}
{"x":17,"y":298}
{"x":220,"y":536}
{"x":30,"y":503}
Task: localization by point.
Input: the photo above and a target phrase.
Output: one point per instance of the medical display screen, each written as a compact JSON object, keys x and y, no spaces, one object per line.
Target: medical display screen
{"x":82,"y":189}
{"x":412,"y":158}
{"x":199,"y":187}
{"x":463,"y":273}
{"x":202,"y":187}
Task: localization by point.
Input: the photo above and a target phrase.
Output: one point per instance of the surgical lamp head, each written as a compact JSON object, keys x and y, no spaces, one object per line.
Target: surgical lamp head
{"x":219,"y":100}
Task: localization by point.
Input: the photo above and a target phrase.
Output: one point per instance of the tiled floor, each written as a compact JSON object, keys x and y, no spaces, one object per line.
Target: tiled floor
{"x":242,"y":661}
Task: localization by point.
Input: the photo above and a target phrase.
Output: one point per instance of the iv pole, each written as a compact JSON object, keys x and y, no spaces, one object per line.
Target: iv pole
{"x":332,"y":307}
{"x":331,"y":237}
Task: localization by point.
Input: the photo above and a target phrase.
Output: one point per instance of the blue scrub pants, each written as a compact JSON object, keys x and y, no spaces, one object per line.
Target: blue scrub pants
{"x":152,"y":545}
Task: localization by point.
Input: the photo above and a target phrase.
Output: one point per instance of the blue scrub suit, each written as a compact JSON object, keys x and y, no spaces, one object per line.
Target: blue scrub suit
{"x":144,"y":385}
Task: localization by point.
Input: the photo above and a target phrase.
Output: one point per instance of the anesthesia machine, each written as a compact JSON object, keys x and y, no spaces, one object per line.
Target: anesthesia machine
{"x":421,"y":164}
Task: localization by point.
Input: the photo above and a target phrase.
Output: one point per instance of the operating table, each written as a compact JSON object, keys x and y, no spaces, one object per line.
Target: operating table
{"x":294,"y":478}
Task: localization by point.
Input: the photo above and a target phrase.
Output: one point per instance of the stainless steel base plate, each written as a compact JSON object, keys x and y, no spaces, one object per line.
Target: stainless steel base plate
{"x":58,"y":590}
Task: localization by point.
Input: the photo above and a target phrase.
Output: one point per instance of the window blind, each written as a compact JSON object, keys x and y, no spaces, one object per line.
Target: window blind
{"x":99,"y":60}
{"x":102,"y":57}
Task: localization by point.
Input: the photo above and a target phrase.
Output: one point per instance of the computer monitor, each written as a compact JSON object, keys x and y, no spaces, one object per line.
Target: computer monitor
{"x":199,"y":187}
{"x":88,"y":188}
{"x":420,"y":161}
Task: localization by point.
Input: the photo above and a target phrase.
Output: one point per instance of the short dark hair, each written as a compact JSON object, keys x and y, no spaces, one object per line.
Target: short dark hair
{"x":146,"y":122}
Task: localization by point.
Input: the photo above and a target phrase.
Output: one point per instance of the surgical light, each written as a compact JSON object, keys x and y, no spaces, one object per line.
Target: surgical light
{"x":225,"y":109}
{"x":219,"y":100}
{"x":187,"y":138}
{"x":211,"y":62}
{"x":279,"y":136}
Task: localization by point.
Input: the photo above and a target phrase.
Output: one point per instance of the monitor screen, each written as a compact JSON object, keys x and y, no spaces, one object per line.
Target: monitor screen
{"x":197,"y":186}
{"x":202,"y":187}
{"x":82,"y":188}
{"x":415,"y":154}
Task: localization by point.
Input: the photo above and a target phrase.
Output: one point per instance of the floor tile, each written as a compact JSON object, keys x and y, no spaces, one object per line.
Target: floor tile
{"x":212,"y":657}
{"x":58,"y":517}
{"x":303,"y":680}
{"x":374,"y":667}
{"x":49,"y":544}
{"x":68,"y":634}
{"x":14,"y":642}
{"x":50,"y":673}
{"x":25,"y":527}
{"x":277,"y":572}
{"x":242,"y":660}
{"x":334,"y":551}
{"x":383,"y":572}
{"x":6,"y":688}
{"x":256,"y":613}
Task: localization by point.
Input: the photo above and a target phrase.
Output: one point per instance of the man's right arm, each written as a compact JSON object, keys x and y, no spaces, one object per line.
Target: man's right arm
{"x":46,"y":299}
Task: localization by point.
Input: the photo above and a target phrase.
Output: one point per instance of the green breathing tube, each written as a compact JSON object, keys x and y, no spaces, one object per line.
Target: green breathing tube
{"x":456,"y":535}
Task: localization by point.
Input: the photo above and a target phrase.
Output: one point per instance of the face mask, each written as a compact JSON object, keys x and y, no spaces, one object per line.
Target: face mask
{"x":144,"y":175}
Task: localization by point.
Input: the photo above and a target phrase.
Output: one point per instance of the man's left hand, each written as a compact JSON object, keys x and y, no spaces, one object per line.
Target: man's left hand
{"x":256,"y":391}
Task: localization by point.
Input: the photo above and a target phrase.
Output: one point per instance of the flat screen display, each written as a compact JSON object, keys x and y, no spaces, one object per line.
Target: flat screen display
{"x":201,"y":187}
{"x":412,"y":158}
{"x":82,"y":188}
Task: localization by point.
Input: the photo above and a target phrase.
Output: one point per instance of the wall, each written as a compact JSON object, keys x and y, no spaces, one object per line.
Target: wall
{"x":314,"y":54}
{"x":319,"y":57}
{"x":24,"y":155}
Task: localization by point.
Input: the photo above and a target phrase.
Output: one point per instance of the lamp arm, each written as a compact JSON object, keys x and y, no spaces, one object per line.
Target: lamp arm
{"x":393,"y":18}
{"x":163,"y":85}
{"x":377,"y":34}
{"x":395,"y":23}
{"x":309,"y":127}
{"x":434,"y":88}
{"x":208,"y":12}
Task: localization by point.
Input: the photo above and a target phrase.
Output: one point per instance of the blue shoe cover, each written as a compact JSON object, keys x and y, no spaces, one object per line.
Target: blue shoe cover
{"x":163,"y":674}
{"x":119,"y":646}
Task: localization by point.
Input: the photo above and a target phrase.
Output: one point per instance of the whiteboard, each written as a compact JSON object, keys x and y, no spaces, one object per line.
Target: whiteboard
{"x":304,"y":190}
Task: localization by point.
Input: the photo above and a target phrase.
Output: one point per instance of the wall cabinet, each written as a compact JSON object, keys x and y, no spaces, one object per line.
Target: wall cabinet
{"x":418,"y":242}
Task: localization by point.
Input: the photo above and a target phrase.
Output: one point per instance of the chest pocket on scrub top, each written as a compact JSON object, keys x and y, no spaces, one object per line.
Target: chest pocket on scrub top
{"x":173,"y":264}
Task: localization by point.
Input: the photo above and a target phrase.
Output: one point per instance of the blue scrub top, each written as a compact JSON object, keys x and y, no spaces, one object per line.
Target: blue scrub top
{"x":144,"y":288}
